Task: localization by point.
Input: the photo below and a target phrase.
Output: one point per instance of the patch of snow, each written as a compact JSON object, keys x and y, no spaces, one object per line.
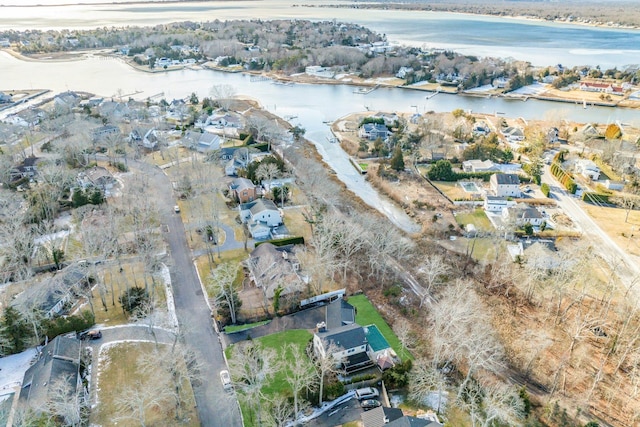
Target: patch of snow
{"x":485,"y":88}
{"x":12,"y":368}
{"x":437,"y":401}
{"x":533,"y":89}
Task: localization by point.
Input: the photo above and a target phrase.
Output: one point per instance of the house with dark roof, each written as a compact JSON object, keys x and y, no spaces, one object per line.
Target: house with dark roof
{"x":50,"y":296}
{"x":407,"y":421}
{"x":505,"y":185}
{"x":26,"y":169}
{"x":58,"y":361}
{"x":98,"y":134}
{"x":355,"y":347}
{"x":373,"y":131}
{"x":380,"y":416}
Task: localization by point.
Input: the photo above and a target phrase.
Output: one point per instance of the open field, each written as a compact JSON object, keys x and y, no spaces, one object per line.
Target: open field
{"x":612,"y":221}
{"x":119,"y":367}
{"x":452,"y":190}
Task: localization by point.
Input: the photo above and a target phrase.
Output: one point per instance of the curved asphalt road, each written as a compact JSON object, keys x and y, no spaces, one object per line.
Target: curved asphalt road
{"x":215,"y":406}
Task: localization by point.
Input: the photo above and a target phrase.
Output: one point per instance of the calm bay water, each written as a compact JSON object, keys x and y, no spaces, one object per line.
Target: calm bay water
{"x":538,"y":42}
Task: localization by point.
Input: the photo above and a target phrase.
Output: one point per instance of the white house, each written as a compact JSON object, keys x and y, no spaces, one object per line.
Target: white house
{"x":513,"y":134}
{"x":522,"y":214}
{"x":261,"y":216}
{"x":505,"y":185}
{"x":588,"y":169}
{"x":497,"y":204}
{"x":350,"y":344}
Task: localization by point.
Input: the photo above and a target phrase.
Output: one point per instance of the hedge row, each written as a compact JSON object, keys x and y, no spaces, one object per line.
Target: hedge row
{"x":565,"y":179}
{"x":296,"y":240}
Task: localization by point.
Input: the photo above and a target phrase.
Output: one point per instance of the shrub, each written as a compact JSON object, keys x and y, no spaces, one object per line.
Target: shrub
{"x":134,"y":300}
{"x":393,"y":291}
{"x":545,"y":189}
{"x":63,"y":325}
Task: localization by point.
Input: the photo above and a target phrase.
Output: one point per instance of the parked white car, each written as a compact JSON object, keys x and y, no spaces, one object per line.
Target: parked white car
{"x":226,"y":379}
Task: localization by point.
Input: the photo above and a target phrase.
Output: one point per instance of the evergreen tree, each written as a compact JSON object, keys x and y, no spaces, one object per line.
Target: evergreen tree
{"x":15,"y":333}
{"x":397,"y":161}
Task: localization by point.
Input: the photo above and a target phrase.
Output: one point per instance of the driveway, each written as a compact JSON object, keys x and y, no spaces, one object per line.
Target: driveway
{"x":305,"y":319}
{"x":215,"y":406}
{"x":230,"y":242}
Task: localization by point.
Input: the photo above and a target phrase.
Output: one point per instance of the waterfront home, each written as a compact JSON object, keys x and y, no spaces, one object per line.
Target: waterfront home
{"x":261,"y":217}
{"x":373,"y":131}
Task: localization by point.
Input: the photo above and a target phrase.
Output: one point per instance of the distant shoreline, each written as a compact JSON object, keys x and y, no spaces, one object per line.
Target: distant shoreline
{"x":522,"y":17}
{"x":585,"y":97}
{"x":113,"y":3}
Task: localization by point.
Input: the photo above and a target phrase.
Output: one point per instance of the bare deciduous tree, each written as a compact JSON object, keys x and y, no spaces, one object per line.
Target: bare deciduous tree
{"x":299,"y":375}
{"x":221,"y":283}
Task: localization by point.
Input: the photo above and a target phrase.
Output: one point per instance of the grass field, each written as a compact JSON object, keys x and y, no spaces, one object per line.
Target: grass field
{"x":452,"y":190}
{"x":237,"y":328}
{"x":477,"y":218}
{"x":612,"y":221}
{"x":118,"y":368}
{"x":366,"y":314}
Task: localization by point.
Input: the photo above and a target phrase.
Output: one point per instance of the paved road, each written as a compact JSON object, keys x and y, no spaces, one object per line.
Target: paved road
{"x":215,"y":406}
{"x":609,"y":250}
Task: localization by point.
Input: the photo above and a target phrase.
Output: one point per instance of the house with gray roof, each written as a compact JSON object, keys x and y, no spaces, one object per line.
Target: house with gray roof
{"x":261,"y":216}
{"x":243,"y":190}
{"x":58,"y":361}
{"x":380,"y":416}
{"x":505,"y":185}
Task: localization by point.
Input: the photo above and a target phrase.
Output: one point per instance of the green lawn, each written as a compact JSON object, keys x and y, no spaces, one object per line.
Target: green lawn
{"x":237,"y":328}
{"x":366,"y":314}
{"x":477,"y":218}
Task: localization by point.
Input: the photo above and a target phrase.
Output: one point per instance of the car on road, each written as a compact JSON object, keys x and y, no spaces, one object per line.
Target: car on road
{"x":370,"y":404}
{"x":226,"y":379}
{"x":176,"y":209}
{"x":90,"y":335}
{"x":367,"y":393}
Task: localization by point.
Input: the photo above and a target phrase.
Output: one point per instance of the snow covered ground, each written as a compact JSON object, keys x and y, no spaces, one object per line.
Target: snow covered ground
{"x":12,"y":369}
{"x":484,"y":88}
{"x":533,"y":89}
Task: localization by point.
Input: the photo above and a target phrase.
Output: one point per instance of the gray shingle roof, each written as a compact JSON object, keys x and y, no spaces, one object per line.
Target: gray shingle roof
{"x":346,"y":337}
{"x":507,"y":179}
{"x":339,"y":313}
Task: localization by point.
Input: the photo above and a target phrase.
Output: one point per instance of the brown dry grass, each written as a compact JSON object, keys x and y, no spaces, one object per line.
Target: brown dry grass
{"x":117,"y":368}
{"x":112,"y":278}
{"x":612,"y":221}
{"x":416,"y":196}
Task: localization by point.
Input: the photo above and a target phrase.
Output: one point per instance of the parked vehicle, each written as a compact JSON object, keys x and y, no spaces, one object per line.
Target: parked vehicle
{"x":367,"y":393}
{"x":176,"y":209}
{"x":226,"y":379}
{"x":90,"y":335}
{"x":369,"y":404}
